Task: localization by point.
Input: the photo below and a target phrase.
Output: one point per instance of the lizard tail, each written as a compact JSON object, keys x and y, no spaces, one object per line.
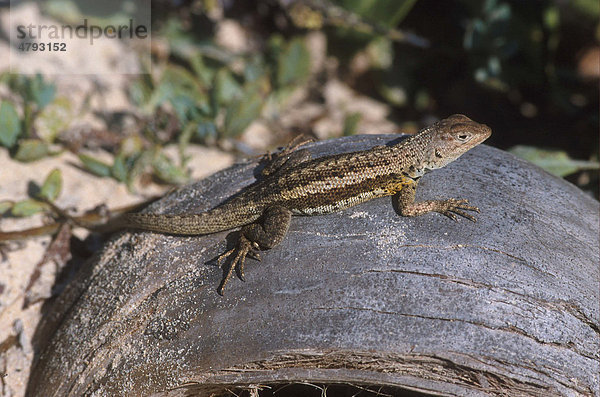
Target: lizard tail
{"x":193,"y":224}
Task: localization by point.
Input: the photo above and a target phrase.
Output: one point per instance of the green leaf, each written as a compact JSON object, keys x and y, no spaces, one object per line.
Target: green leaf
{"x":10,"y":125}
{"x":140,"y":91}
{"x":176,"y":84}
{"x":119,"y":169}
{"x":167,"y":171}
{"x":6,"y":205}
{"x":44,"y":95}
{"x":32,"y":150}
{"x":54,"y":119}
{"x":386,"y":12}
{"x":226,"y":87}
{"x":351,"y":123}
{"x":181,"y":80}
{"x":95,"y":166}
{"x":206,"y":129}
{"x":184,"y":140}
{"x":293,"y":64}
{"x":40,"y":92}
{"x":185,"y":44}
{"x":27,"y":207}
{"x":255,"y":68}
{"x":138,"y":167}
{"x":186,"y":108}
{"x":52,"y":185}
{"x":242,"y":112}
{"x":204,"y":73}
{"x":554,"y":161}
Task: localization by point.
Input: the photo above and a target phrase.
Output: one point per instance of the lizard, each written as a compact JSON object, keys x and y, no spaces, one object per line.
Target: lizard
{"x":293,"y":183}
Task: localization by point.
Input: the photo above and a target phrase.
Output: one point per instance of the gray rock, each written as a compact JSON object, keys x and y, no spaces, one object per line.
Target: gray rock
{"x":508,"y":305}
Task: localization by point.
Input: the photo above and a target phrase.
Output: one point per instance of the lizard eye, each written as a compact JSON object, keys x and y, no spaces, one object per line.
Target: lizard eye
{"x":463,"y":136}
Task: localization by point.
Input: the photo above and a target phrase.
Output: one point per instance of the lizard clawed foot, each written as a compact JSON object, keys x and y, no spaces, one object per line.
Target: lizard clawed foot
{"x":453,"y":207}
{"x":244,"y":248}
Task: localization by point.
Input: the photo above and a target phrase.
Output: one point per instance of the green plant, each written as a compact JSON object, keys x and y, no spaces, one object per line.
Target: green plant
{"x":132,"y":160}
{"x":40,"y":199}
{"x":37,"y":99}
{"x":211,"y":95}
{"x":556,"y":162}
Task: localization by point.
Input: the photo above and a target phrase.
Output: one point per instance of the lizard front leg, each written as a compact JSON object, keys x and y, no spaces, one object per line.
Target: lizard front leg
{"x":268,"y":232}
{"x":405,"y":201}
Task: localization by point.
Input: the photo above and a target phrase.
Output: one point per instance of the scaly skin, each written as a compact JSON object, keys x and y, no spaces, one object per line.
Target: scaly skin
{"x":294,"y":184}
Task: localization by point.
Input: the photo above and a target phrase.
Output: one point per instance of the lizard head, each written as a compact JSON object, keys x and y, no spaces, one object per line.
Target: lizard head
{"x":451,"y":138}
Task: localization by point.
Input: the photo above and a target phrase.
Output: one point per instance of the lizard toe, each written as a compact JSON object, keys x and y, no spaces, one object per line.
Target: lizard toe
{"x":450,"y":214}
{"x":237,"y":264}
{"x":464,"y":214}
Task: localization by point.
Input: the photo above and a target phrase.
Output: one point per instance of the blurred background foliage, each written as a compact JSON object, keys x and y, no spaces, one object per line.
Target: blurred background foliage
{"x":529,"y":69}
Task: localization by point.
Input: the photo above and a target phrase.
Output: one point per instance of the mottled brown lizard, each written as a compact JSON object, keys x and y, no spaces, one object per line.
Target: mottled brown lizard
{"x":295,"y":184}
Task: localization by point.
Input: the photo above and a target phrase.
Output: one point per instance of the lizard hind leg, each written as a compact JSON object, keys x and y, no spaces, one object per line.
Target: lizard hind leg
{"x":268,"y":232}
